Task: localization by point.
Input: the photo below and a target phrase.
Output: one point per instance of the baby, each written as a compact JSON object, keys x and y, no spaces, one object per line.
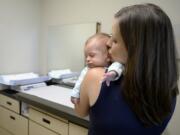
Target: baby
{"x":96,"y":55}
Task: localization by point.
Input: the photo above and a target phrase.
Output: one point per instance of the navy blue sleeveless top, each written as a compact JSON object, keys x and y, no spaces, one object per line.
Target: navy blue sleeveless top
{"x":111,"y":115}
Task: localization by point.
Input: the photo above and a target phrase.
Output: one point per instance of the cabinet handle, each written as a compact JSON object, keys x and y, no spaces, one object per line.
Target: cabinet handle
{"x":9,"y":103}
{"x":12,"y":117}
{"x":46,"y":121}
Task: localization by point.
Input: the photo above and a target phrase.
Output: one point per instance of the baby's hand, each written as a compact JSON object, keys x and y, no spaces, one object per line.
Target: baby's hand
{"x":75,"y":100}
{"x":109,"y":76}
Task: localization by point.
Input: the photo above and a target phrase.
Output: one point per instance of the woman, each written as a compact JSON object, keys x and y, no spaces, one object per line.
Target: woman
{"x":143,"y":100}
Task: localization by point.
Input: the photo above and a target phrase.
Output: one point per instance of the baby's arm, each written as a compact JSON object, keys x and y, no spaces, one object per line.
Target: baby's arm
{"x":76,"y":90}
{"x":117,"y":68}
{"x":113,"y":73}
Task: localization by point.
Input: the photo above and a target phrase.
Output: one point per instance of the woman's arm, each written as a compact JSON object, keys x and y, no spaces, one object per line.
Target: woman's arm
{"x":89,"y":92}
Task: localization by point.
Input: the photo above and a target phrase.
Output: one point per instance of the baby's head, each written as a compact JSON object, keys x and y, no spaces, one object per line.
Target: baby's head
{"x":96,"y":52}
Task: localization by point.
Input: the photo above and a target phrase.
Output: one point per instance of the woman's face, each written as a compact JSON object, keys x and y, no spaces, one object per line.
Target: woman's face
{"x":117,"y":49}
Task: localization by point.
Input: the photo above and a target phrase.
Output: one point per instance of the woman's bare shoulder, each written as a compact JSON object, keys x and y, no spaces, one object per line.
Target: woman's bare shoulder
{"x":94,"y":73}
{"x":92,"y":83}
{"x":93,"y":78}
{"x":89,"y":90}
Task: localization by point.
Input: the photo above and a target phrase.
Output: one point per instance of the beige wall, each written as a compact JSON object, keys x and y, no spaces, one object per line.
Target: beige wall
{"x":19,"y":36}
{"x":173,"y":127}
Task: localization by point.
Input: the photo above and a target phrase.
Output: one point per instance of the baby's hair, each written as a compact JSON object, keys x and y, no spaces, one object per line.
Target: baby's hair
{"x":97,"y":35}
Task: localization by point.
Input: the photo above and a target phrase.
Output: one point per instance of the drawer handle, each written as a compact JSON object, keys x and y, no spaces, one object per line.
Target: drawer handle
{"x":46,"y":121}
{"x":9,"y":103}
{"x":12,"y":117}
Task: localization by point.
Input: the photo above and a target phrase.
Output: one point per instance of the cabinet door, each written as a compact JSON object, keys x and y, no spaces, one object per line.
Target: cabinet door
{"x":4,"y":132}
{"x":36,"y":129}
{"x":77,"y":130}
{"x":13,"y":122}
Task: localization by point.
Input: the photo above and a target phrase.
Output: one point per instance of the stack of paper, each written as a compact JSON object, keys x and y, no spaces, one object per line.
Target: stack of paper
{"x":65,"y":77}
{"x":22,"y":79}
{"x":61,"y":74}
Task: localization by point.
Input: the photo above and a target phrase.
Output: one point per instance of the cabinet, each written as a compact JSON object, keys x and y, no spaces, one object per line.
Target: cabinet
{"x":60,"y":126}
{"x":42,"y":123}
{"x":36,"y":129}
{"x":10,"y":103}
{"x":38,"y":122}
{"x":77,"y":130}
{"x":11,"y":120}
{"x":4,"y":132}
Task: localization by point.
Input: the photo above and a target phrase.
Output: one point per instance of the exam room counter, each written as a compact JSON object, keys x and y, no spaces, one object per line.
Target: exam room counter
{"x":57,"y":109}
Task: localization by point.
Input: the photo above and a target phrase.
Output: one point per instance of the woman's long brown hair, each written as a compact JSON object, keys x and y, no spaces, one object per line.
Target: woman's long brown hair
{"x":150,"y":82}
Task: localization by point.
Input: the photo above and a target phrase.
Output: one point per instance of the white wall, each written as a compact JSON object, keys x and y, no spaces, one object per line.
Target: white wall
{"x":19,"y":36}
{"x":58,"y":12}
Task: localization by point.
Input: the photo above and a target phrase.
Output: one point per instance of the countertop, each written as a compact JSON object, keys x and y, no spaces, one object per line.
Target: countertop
{"x":53,"y":99}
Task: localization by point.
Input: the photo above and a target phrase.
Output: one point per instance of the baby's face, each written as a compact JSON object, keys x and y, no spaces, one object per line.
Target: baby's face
{"x":96,"y":53}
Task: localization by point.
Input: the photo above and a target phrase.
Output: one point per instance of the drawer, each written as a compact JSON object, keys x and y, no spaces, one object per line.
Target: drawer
{"x":48,"y":121}
{"x":14,"y":123}
{"x":10,"y":103}
{"x":36,"y":129}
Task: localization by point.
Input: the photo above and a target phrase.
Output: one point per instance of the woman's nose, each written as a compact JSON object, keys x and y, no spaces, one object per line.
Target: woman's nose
{"x":109,"y":43}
